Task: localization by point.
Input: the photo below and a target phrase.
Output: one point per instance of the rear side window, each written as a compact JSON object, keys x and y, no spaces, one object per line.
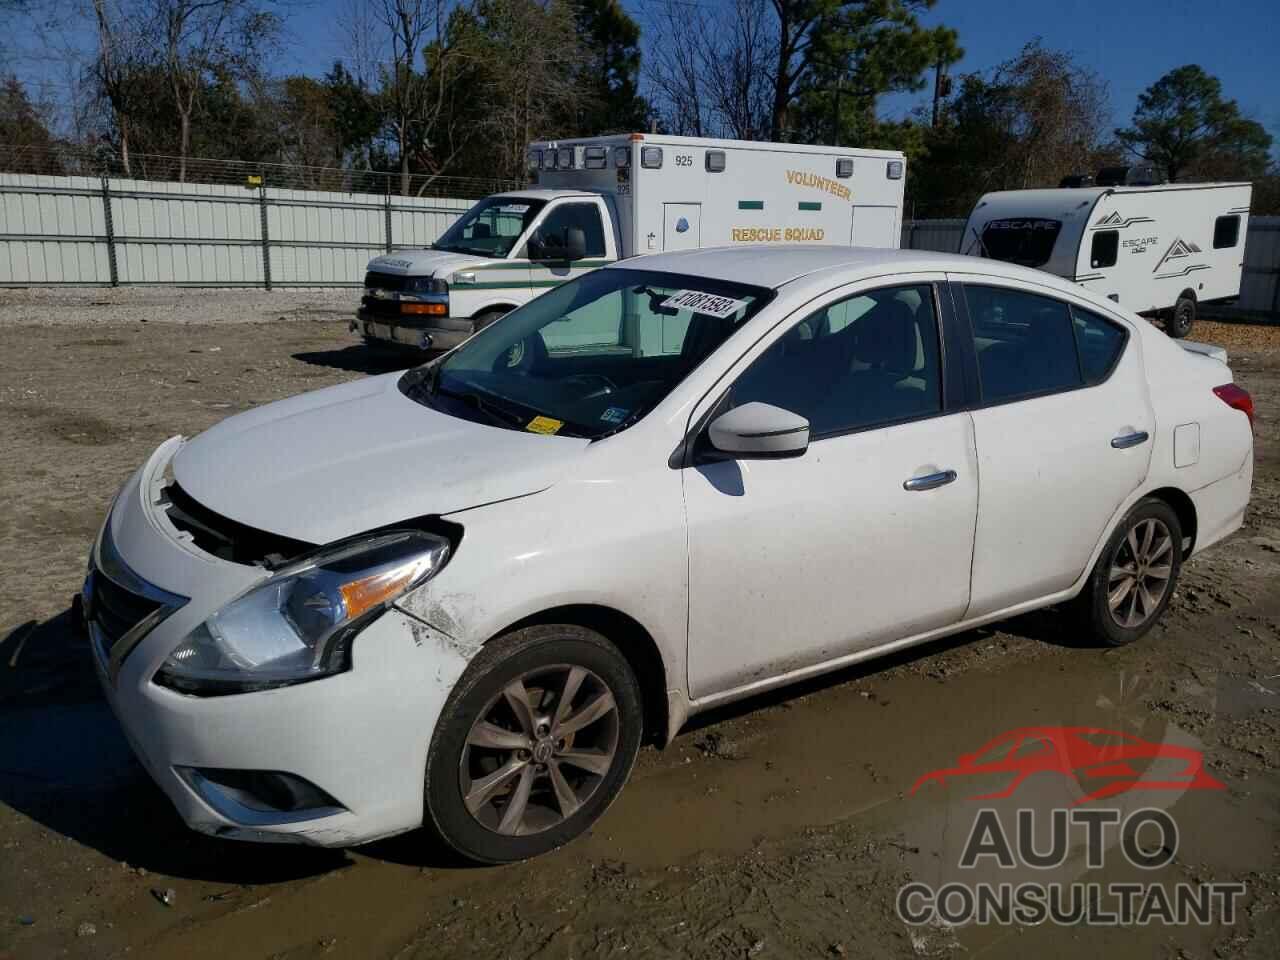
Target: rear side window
{"x":1100,"y":343}
{"x":1025,"y":343}
{"x":1105,"y":247}
{"x":1226,"y":232}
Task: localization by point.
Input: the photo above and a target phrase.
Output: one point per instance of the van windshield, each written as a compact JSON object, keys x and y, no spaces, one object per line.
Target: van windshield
{"x":1025,"y":241}
{"x":589,"y":357}
{"x":490,"y":228}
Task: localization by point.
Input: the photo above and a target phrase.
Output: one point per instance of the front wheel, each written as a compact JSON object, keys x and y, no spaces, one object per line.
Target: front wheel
{"x":1135,"y":575}
{"x":535,"y":742}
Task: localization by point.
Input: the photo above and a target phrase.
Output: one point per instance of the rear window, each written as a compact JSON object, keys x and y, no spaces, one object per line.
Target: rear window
{"x":1026,"y":241}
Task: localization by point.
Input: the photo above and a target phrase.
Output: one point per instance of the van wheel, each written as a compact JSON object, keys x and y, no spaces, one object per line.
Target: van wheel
{"x":1135,"y":575}
{"x":489,"y":316}
{"x":535,"y":742}
{"x":1181,"y":318}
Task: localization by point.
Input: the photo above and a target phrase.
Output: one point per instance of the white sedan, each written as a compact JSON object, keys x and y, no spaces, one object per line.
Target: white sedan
{"x":463,"y":596}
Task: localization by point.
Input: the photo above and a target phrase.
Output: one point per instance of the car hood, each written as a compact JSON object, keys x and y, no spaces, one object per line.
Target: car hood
{"x":355,"y":457}
{"x":426,"y":263}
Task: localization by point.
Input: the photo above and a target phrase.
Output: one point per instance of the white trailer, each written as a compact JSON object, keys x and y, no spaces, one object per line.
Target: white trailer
{"x":602,"y":199}
{"x":1160,"y":250}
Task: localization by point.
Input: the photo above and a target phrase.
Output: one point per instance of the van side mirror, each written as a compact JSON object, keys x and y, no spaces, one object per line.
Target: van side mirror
{"x":575,"y":244}
{"x":759,"y":431}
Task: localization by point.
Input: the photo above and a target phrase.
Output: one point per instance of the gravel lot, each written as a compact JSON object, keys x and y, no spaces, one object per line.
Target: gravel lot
{"x":782,"y":827}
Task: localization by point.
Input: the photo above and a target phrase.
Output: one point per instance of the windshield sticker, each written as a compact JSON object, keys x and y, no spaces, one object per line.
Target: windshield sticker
{"x":704,"y":303}
{"x":614,"y":415}
{"x":514,"y":208}
{"x":544,"y":425}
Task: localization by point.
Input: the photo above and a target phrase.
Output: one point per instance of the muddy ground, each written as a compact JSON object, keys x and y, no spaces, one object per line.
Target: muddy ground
{"x":781,"y":827}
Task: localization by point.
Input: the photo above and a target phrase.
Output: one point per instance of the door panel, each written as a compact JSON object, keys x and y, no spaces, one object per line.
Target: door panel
{"x":875,"y":227}
{"x":1051,"y":479}
{"x":682,"y":226}
{"x":793,"y":562}
{"x":799,"y":561}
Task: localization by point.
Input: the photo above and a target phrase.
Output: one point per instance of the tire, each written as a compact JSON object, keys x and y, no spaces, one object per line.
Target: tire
{"x":1136,"y":612}
{"x":487,"y":317}
{"x":1181,"y":318}
{"x":477,"y":744}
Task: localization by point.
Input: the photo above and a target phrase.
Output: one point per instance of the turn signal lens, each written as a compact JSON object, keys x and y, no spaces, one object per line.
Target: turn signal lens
{"x":427,"y":309}
{"x":1237,"y":398}
{"x":361,"y":596}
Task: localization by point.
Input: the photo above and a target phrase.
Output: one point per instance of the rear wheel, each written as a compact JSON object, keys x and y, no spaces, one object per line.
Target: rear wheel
{"x":536,"y":741}
{"x":1135,"y":575}
{"x":1181,"y":318}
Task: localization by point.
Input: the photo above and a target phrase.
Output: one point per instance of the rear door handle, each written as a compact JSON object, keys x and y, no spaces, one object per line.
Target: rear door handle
{"x":1130,"y":440}
{"x":930,"y":481}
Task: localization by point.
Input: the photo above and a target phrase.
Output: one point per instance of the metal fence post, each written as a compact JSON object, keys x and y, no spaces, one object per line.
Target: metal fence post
{"x":266,"y":235}
{"x":387,"y":208}
{"x":111,"y":231}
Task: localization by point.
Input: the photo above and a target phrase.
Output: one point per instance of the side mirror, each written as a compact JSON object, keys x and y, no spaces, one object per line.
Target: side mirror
{"x":536,"y":249}
{"x":575,"y":244}
{"x":760,"y":431}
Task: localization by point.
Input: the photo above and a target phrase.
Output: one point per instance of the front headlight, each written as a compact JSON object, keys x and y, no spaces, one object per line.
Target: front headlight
{"x":299,"y":625}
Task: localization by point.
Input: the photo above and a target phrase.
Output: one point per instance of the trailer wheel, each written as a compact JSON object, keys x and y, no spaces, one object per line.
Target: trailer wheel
{"x":1181,"y":317}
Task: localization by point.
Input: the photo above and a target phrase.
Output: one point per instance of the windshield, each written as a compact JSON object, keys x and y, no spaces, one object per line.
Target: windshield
{"x":1028,"y":242}
{"x":589,"y":357}
{"x":490,"y":228}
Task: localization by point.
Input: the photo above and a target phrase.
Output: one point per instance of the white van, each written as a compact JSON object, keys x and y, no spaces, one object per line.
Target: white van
{"x":598,"y":200}
{"x":1160,"y":250}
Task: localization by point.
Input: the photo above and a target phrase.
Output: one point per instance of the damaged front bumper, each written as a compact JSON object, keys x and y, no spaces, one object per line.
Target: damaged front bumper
{"x":332,"y":762}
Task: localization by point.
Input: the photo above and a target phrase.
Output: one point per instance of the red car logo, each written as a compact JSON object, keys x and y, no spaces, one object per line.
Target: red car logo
{"x":1088,"y":755}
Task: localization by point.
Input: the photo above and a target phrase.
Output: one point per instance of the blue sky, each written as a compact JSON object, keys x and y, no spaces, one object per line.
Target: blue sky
{"x":1130,"y":44}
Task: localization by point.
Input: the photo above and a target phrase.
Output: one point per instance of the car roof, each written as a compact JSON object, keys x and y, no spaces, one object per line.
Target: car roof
{"x":768,"y":265}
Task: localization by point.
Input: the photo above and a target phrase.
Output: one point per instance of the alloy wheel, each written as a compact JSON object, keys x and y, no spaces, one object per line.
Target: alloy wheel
{"x":1140,"y":573}
{"x":539,"y":750}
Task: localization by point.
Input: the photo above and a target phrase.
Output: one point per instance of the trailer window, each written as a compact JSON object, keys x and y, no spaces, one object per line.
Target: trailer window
{"x":1025,"y":241}
{"x":1105,"y":248}
{"x":1226,"y":232}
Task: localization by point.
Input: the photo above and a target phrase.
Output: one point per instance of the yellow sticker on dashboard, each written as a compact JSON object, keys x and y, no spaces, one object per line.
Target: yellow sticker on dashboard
{"x":544,"y":425}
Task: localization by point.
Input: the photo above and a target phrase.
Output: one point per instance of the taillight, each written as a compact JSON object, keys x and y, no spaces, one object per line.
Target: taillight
{"x":1237,"y":398}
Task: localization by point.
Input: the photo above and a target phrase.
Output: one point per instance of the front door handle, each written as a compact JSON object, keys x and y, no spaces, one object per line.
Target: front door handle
{"x":930,"y":481}
{"x":1128,"y":440}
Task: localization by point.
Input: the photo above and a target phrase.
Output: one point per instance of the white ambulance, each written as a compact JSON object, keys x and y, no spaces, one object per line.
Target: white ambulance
{"x":601,"y":199}
{"x":1157,"y":249}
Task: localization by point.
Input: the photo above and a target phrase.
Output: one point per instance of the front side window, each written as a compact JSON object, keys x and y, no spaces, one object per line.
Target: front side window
{"x":1104,"y":249}
{"x":865,"y":361}
{"x":1027,"y":241}
{"x":1226,"y":232}
{"x":552,"y":233}
{"x":490,"y":228}
{"x":588,"y":357}
{"x":1025,"y":343}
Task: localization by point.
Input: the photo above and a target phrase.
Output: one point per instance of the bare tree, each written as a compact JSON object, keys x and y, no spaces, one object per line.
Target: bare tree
{"x":739,"y":92}
{"x":420,"y":66}
{"x":118,"y":57}
{"x":674,"y":66}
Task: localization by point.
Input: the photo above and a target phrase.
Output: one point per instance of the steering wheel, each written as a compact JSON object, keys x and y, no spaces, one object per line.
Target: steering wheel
{"x":607,"y":386}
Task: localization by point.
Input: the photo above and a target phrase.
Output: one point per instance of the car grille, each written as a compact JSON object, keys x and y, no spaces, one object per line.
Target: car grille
{"x":385,"y":281}
{"x":116,"y":610}
{"x":117,"y":602}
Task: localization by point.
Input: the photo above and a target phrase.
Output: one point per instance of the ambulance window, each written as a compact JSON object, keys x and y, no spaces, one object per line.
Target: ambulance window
{"x":1106,"y":246}
{"x":584,"y":216}
{"x":1226,"y":232}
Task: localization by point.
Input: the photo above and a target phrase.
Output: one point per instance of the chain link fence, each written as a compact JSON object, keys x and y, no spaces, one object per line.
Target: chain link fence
{"x":103,"y":161}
